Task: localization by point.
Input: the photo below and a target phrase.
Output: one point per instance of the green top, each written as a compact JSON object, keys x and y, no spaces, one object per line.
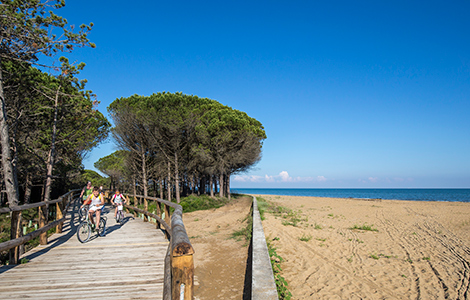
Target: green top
{"x":87,"y":192}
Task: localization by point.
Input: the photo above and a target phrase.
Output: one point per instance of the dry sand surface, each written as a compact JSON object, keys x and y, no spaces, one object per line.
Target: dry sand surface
{"x":418,"y":251}
{"x":219,"y":261}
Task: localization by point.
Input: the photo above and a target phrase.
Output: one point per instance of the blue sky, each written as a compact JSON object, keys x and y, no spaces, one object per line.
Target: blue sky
{"x":359,"y":94}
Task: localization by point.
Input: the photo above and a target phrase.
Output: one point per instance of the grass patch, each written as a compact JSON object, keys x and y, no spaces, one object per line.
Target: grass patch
{"x":246,"y":231}
{"x":24,"y":260}
{"x":378,"y":256}
{"x":189,"y":204}
{"x":281,"y":284}
{"x":305,"y":238}
{"x":263,"y":205}
{"x":364,"y":227}
{"x":203,"y":202}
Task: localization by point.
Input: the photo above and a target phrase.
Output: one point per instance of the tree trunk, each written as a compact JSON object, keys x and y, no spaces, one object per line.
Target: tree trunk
{"x":134,"y":189}
{"x":168,"y":184}
{"x":199,"y":186}
{"x":27,"y":189}
{"x":11,"y":181}
{"x":211,"y":181}
{"x":177,"y":180}
{"x":227,"y":185}
{"x":221,"y":185}
{"x":51,"y":156}
{"x":144,"y":174}
{"x":145,"y":183}
{"x":162,"y":184}
{"x":202,"y":185}
{"x":9,"y":174}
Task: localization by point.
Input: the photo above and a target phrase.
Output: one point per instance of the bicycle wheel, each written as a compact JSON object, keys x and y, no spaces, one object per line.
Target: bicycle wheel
{"x":83,"y":232}
{"x":102,"y":227}
{"x":82,"y":212}
{"x":120,"y":216}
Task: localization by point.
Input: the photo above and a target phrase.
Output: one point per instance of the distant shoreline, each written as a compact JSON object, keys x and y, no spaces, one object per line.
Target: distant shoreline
{"x":410,"y":194}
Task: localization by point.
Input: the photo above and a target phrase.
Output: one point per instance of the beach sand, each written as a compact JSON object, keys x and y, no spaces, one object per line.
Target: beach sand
{"x":409,"y":250}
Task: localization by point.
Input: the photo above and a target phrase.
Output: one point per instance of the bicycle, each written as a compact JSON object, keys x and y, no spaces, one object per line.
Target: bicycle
{"x":86,"y":227}
{"x":120,"y":214}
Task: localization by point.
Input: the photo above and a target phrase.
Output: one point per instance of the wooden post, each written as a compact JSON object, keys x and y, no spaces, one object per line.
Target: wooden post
{"x":59,"y":214}
{"x":182,"y":277}
{"x":42,"y":222}
{"x":15,"y":232}
{"x":182,"y":265}
{"x":159,"y":213}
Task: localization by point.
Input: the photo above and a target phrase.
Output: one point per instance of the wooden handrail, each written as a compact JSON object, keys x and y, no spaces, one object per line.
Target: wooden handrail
{"x":26,"y":238}
{"x":62,"y":204}
{"x":34,"y":205}
{"x":179,"y":264}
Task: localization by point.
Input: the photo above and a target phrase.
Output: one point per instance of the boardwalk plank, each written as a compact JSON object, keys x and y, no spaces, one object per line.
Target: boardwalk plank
{"x":127,"y":263}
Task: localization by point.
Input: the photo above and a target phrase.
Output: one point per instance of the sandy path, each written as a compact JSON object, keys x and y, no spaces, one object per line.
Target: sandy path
{"x":219,"y":261}
{"x":419,"y":250}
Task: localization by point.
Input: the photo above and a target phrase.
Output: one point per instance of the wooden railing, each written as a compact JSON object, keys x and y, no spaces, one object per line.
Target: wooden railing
{"x":62,"y":204}
{"x":179,"y":265}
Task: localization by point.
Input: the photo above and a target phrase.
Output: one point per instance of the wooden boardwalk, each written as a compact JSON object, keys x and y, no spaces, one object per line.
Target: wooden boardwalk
{"x":127,"y":263}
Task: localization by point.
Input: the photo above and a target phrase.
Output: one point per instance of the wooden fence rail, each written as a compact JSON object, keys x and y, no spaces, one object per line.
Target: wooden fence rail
{"x":62,"y":204}
{"x":179,"y":264}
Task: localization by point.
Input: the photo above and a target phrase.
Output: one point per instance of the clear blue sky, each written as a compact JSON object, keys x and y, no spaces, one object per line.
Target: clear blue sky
{"x":351,"y":93}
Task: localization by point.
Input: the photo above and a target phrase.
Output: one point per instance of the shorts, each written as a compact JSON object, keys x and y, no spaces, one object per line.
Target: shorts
{"x":94,"y":208}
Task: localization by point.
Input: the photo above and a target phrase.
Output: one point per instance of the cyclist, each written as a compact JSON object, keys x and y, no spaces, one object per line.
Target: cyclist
{"x":118,"y":199}
{"x":86,"y":191}
{"x":97,"y":203}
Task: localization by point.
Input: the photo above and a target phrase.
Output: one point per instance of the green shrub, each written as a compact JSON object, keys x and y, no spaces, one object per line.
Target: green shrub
{"x":203,"y":202}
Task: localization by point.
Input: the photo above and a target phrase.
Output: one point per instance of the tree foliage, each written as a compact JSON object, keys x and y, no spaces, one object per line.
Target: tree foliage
{"x":113,"y":165}
{"x":184,"y":142}
{"x":40,"y":113}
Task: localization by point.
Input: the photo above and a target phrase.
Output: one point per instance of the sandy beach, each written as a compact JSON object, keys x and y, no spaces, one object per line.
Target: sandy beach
{"x":371,"y":249}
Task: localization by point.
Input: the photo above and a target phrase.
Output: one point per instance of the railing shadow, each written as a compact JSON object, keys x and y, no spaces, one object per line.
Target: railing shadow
{"x":68,"y":231}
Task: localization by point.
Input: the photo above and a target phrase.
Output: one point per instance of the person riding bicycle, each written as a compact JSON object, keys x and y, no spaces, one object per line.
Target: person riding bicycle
{"x":117,"y":200}
{"x":86,"y":191}
{"x":96,"y":204}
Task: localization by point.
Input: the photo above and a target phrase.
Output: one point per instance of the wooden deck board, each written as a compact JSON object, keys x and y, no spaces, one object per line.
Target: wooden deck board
{"x":127,"y":263}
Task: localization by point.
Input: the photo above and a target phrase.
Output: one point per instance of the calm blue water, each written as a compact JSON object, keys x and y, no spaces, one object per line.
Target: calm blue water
{"x":453,"y":195}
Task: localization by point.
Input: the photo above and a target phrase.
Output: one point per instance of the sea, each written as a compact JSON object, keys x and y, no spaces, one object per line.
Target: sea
{"x":450,"y":195}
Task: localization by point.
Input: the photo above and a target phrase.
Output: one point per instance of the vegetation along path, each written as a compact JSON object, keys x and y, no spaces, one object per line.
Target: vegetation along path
{"x":126,"y":263}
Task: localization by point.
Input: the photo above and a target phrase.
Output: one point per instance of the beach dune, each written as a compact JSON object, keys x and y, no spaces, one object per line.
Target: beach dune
{"x":371,"y":249}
